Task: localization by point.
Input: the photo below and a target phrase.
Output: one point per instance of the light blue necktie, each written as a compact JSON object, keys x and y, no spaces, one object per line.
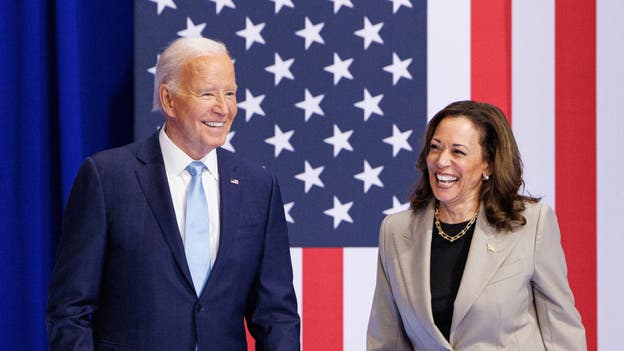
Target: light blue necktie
{"x":196,"y":232}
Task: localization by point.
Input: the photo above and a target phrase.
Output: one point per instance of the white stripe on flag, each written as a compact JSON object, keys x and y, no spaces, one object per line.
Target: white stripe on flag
{"x":610,"y":193}
{"x":448,"y":53}
{"x":296,"y":255}
{"x":359,"y":276}
{"x":533,"y":93}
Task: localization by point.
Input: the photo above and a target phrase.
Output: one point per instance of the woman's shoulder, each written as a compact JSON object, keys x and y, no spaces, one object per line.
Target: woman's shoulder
{"x":536,"y":208}
{"x":536,"y":212}
{"x":408,"y":219}
{"x":398,"y":219}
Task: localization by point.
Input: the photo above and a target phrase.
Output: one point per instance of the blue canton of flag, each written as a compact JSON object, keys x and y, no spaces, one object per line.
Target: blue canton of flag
{"x":332,"y":99}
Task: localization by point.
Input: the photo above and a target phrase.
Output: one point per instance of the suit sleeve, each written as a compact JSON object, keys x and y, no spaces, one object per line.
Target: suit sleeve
{"x":385,"y":327}
{"x":272,"y":317}
{"x":559,"y":321}
{"x":75,"y":281}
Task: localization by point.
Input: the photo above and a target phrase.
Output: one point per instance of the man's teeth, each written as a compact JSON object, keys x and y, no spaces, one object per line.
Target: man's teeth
{"x":213,"y":124}
{"x":445,"y":178}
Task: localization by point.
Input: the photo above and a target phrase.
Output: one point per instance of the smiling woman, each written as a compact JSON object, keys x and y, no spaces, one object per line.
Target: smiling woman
{"x":483,"y":158}
{"x":473,"y":264}
{"x":456,"y":168}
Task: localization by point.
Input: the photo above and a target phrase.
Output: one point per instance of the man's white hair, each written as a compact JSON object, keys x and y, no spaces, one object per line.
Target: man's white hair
{"x":175,"y":56}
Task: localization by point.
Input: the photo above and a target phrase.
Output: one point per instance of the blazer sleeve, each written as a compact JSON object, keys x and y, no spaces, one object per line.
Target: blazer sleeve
{"x":559,"y":321}
{"x":75,"y":281}
{"x":272,"y":317}
{"x":385,"y":326}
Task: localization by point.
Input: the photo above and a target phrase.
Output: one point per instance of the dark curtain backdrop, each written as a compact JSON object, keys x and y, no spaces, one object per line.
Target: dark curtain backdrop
{"x":66,"y":92}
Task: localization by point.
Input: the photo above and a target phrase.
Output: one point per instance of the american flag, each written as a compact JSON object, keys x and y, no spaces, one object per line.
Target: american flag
{"x":334,"y":96}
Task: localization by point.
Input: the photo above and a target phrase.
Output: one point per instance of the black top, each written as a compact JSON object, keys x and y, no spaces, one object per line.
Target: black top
{"x":447,"y":267}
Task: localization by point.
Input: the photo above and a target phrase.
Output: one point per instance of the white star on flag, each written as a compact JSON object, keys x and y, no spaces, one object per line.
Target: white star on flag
{"x":370,"y":104}
{"x":281,"y":68}
{"x":251,"y":33}
{"x":340,"y":140}
{"x":398,"y":140}
{"x":311,"y":104}
{"x":311,"y":176}
{"x":397,"y":207}
{"x":228,"y":141}
{"x":370,"y":33}
{"x":370,"y":176}
{"x":340,"y":212}
{"x":152,"y":69}
{"x":280,"y":140}
{"x":398,"y":68}
{"x":220,"y":4}
{"x":339,"y":3}
{"x":396,"y":4}
{"x":281,"y":3}
{"x":161,"y":4}
{"x":287,"y":208}
{"x":192,"y":30}
{"x":340,"y":68}
{"x":311,"y":33}
{"x":251,"y":105}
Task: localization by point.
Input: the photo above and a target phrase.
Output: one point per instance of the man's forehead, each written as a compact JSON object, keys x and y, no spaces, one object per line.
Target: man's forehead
{"x":199,"y":61}
{"x":208,"y":71}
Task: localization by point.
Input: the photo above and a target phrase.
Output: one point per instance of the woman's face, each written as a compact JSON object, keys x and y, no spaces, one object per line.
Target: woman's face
{"x":455,"y":163}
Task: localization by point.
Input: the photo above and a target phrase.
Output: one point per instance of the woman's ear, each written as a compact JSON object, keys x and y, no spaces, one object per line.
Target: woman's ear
{"x":487,"y":173}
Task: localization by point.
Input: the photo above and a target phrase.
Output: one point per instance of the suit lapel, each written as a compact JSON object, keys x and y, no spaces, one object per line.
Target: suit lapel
{"x":153,"y":181}
{"x":416,"y":271}
{"x":488,"y":250}
{"x":230,"y":184}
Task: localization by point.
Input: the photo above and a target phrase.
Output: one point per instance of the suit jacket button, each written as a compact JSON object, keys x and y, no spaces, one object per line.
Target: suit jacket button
{"x":199,"y":308}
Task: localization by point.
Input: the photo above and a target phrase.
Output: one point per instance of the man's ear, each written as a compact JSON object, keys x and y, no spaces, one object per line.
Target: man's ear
{"x":166,"y":100}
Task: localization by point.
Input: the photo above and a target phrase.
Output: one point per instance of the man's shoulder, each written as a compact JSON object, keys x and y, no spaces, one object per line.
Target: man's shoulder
{"x":126,"y":153}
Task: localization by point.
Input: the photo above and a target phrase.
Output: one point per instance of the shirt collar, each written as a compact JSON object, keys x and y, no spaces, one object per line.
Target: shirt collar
{"x":176,"y":160}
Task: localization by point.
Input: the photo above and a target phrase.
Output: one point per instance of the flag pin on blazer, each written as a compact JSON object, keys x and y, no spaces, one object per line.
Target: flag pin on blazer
{"x":234,"y":181}
{"x":491,"y":248}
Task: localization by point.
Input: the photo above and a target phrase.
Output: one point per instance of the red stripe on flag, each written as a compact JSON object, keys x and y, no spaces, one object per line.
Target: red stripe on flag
{"x":251,"y":342}
{"x":575,"y":149}
{"x":322,"y":299}
{"x":490,"y":53}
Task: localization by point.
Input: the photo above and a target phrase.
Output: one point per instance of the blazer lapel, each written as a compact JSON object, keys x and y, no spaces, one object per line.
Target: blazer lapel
{"x":415,"y":262}
{"x":153,"y":181}
{"x":488,"y":250}
{"x":230,"y":184}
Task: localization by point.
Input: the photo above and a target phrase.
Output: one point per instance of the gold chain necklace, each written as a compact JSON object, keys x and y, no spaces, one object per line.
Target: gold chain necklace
{"x":460,"y":234}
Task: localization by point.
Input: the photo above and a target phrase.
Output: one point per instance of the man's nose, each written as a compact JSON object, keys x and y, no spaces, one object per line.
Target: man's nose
{"x":220,"y":107}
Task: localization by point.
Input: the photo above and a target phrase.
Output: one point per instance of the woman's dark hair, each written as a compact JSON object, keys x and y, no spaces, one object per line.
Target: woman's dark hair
{"x":500,"y":194}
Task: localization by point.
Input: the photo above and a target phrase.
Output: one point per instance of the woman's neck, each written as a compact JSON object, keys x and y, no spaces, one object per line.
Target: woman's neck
{"x":457,"y":213}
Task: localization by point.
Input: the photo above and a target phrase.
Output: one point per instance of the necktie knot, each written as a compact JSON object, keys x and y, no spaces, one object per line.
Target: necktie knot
{"x":195,"y":168}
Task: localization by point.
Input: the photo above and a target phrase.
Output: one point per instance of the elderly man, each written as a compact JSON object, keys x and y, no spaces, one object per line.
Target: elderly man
{"x":170,"y":243}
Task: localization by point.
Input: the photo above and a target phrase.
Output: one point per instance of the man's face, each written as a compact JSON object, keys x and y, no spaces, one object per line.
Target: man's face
{"x":200,"y":113}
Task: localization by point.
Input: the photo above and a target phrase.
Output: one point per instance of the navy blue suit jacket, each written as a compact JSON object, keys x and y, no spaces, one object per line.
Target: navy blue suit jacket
{"x":121,"y":281}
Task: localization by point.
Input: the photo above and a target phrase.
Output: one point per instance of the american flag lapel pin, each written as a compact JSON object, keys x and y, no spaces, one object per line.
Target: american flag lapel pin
{"x":234,"y":181}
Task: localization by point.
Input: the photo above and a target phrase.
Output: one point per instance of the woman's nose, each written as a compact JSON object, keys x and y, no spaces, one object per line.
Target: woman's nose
{"x":443,"y":159}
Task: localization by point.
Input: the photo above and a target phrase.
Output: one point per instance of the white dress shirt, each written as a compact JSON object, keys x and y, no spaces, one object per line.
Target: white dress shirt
{"x":179,"y":179}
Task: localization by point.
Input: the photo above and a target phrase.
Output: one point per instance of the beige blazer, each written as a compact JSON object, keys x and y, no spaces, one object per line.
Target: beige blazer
{"x":514,"y":293}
